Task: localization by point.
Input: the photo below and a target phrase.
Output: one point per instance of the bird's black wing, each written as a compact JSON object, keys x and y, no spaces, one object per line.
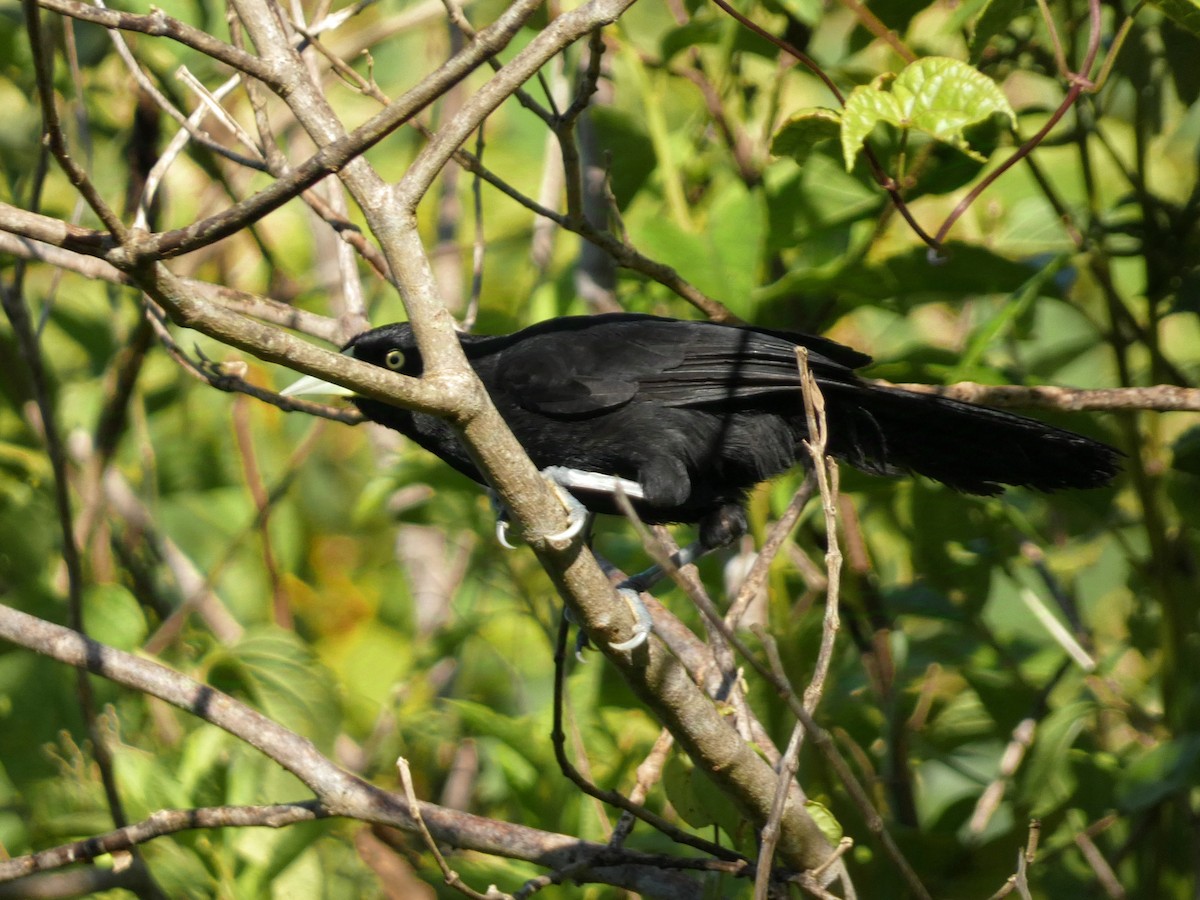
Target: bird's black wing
{"x":602,"y":363}
{"x":724,"y":365}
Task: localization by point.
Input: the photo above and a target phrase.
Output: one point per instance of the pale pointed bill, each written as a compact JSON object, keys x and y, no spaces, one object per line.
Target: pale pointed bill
{"x":311,"y":384}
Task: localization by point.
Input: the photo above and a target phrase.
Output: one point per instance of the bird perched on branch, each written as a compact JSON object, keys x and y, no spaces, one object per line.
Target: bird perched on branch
{"x":687,"y":417}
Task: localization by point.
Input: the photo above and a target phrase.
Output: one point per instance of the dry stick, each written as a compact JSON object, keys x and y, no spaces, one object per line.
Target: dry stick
{"x":333,"y":156}
{"x":254,"y":305}
{"x":452,"y":878}
{"x":1010,"y":760}
{"x":159,"y":24}
{"x":827,"y":480}
{"x":826,"y":471}
{"x":189,"y":124}
{"x":1160,"y":398}
{"x":1104,"y":872}
{"x":821,"y":738}
{"x":1020,"y":881}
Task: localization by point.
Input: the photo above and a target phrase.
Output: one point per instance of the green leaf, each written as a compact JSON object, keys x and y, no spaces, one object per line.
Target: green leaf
{"x":696,"y":798}
{"x":1049,"y":779}
{"x":866,"y":107}
{"x":994,"y":18}
{"x":114,"y":617}
{"x":723,"y":260}
{"x":1186,"y":452}
{"x":1184,"y":13}
{"x":283,"y":680}
{"x":826,"y":821}
{"x":803,"y":131}
{"x":807,"y":11}
{"x":691,"y":34}
{"x":935,"y":95}
{"x":1167,"y":769}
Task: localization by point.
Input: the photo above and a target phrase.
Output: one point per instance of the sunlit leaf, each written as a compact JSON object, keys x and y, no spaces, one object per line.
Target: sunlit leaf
{"x":803,"y":131}
{"x":936,"y":95}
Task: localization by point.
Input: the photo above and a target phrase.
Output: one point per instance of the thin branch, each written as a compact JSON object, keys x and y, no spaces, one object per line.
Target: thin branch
{"x":43,"y":67}
{"x":160,"y":824}
{"x":159,"y":24}
{"x":1161,"y":398}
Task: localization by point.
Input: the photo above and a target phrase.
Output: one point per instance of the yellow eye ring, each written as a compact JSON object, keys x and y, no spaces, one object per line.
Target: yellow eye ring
{"x":394,"y":360}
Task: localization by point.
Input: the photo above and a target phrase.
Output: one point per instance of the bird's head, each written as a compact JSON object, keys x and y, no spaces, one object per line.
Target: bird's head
{"x":389,"y":347}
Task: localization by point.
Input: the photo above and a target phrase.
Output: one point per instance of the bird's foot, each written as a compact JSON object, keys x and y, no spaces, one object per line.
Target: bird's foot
{"x":562,"y":479}
{"x":578,"y":516}
{"x":642,"y":628}
{"x":643,"y":624}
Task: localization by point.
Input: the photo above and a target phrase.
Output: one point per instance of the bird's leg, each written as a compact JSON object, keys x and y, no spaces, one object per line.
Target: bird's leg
{"x":567,"y":478}
{"x":648,"y":578}
{"x":562,"y":479}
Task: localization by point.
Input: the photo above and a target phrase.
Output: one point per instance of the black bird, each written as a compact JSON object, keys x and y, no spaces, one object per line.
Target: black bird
{"x":692,"y":415}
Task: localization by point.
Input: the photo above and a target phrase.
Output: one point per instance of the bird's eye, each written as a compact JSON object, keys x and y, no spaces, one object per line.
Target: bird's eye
{"x":394,"y":360}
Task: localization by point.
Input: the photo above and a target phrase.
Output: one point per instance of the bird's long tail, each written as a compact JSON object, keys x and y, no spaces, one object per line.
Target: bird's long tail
{"x":970,"y":448}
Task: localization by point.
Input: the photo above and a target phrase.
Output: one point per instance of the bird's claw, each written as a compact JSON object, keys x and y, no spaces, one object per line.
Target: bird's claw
{"x":502,"y":534}
{"x":577,"y":514}
{"x":644,"y":624}
{"x":501,"y":513}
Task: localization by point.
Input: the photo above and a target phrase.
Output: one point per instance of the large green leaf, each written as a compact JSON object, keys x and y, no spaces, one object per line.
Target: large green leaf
{"x":1185,"y":13}
{"x":279,"y":675}
{"x":936,"y":95}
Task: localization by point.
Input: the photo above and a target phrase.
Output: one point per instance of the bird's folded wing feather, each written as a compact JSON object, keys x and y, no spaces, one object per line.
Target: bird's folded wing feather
{"x":670,"y":363}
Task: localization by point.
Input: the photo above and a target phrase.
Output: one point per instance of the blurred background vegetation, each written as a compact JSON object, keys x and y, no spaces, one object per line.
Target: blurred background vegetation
{"x":347,"y":584}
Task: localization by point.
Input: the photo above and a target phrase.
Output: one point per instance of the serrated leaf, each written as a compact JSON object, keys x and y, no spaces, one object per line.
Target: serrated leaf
{"x":936,"y":95}
{"x":803,"y":131}
{"x":1184,"y":13}
{"x":866,"y":107}
{"x":283,"y":679}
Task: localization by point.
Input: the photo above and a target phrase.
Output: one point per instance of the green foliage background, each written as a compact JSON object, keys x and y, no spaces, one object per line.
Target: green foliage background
{"x":940,"y":659}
